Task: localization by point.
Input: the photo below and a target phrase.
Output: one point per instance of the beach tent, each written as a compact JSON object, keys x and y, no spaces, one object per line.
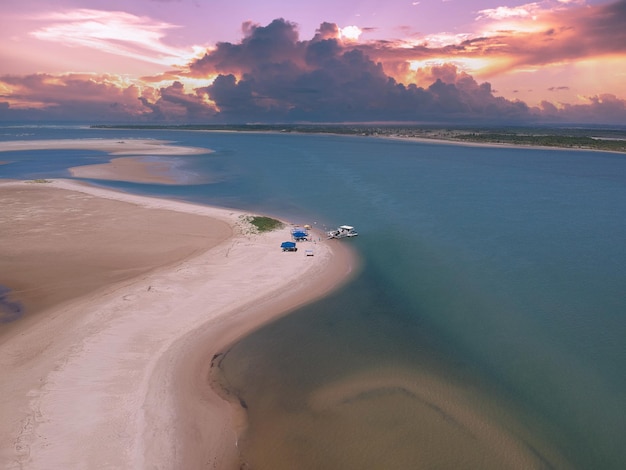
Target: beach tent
{"x":299,"y":234}
{"x":288,"y":246}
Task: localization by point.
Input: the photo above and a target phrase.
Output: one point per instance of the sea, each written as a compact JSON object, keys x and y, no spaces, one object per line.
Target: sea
{"x":485,"y":328}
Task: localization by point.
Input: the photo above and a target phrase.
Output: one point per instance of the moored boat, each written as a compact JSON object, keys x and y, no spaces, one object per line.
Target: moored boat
{"x":342,"y":231}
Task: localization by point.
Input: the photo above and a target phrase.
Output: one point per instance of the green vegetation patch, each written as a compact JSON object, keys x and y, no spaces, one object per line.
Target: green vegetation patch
{"x":264,"y":224}
{"x":551,"y":140}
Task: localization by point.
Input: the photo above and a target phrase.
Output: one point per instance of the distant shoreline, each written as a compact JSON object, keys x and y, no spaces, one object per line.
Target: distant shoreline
{"x":591,"y":139}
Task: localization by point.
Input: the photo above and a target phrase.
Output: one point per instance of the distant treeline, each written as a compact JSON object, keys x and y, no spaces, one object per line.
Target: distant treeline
{"x":561,"y":141}
{"x":578,"y":138}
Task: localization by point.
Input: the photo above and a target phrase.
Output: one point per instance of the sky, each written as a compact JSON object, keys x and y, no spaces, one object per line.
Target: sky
{"x":280,"y":61}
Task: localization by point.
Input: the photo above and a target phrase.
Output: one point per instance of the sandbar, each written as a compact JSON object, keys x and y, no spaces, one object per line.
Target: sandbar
{"x":134,"y":160}
{"x":109,"y":365}
{"x":111,"y":146}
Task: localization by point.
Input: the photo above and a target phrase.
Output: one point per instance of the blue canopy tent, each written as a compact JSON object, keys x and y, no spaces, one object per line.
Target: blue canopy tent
{"x":299,"y":235}
{"x":288,"y":246}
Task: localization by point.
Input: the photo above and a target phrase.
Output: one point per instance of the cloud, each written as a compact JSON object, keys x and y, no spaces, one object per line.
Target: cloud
{"x":174,"y":104}
{"x":529,"y":36}
{"x":272,"y":75}
{"x":351,"y":33}
{"x":45,"y":96}
{"x":271,"y":44}
{"x":558,"y":88}
{"x":600,"y":109}
{"x":500,"y":13}
{"x":113,"y":32}
{"x":557,"y":35}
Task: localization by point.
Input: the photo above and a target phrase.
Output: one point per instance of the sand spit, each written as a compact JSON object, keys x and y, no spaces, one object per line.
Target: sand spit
{"x":116,"y":376}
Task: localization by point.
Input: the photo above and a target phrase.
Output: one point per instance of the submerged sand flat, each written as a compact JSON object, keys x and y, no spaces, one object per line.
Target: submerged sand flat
{"x":112,"y":370}
{"x":132,"y":169}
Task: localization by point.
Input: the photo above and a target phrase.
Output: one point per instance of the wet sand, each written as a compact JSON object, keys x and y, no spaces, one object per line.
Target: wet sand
{"x":125,"y":301}
{"x":128,"y":169}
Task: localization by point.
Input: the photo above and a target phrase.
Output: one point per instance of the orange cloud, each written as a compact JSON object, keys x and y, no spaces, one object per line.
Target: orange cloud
{"x":510,"y":38}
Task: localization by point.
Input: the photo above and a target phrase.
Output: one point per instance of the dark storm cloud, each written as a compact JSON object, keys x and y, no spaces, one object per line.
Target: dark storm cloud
{"x":271,"y":44}
{"x":273,"y":76}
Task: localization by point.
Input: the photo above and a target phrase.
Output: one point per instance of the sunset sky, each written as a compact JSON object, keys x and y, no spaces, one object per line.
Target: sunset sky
{"x":235,"y":61}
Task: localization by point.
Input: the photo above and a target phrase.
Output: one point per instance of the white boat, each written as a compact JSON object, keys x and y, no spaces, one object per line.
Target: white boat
{"x":342,"y":231}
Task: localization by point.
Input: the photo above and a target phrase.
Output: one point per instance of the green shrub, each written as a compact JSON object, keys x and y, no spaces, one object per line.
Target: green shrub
{"x":265,"y":224}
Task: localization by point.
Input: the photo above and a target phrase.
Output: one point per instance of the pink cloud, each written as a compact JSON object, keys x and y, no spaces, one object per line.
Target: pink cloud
{"x":114,"y":32}
{"x":72,"y":94}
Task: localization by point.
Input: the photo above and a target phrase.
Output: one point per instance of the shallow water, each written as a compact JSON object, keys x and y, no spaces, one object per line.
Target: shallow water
{"x":494,"y":276}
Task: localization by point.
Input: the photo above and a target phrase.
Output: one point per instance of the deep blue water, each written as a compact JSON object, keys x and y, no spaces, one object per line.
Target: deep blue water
{"x":500,"y":268}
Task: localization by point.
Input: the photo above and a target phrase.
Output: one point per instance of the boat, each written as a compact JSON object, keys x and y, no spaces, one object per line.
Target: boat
{"x":342,"y":231}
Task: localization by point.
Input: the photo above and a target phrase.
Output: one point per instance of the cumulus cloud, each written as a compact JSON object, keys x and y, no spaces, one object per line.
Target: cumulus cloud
{"x":174,"y":104}
{"x":271,"y":75}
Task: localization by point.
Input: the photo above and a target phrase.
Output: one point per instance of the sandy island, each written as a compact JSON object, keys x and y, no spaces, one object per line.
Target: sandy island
{"x":127,"y":299}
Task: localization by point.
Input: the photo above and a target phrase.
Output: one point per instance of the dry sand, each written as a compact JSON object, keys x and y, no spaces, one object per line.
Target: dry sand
{"x":128,"y":298}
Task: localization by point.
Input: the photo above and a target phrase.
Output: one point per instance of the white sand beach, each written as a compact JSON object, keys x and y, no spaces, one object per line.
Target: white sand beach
{"x":127,"y":300}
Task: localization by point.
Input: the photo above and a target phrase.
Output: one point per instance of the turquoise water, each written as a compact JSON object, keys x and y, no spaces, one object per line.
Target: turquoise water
{"x":494,"y":274}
